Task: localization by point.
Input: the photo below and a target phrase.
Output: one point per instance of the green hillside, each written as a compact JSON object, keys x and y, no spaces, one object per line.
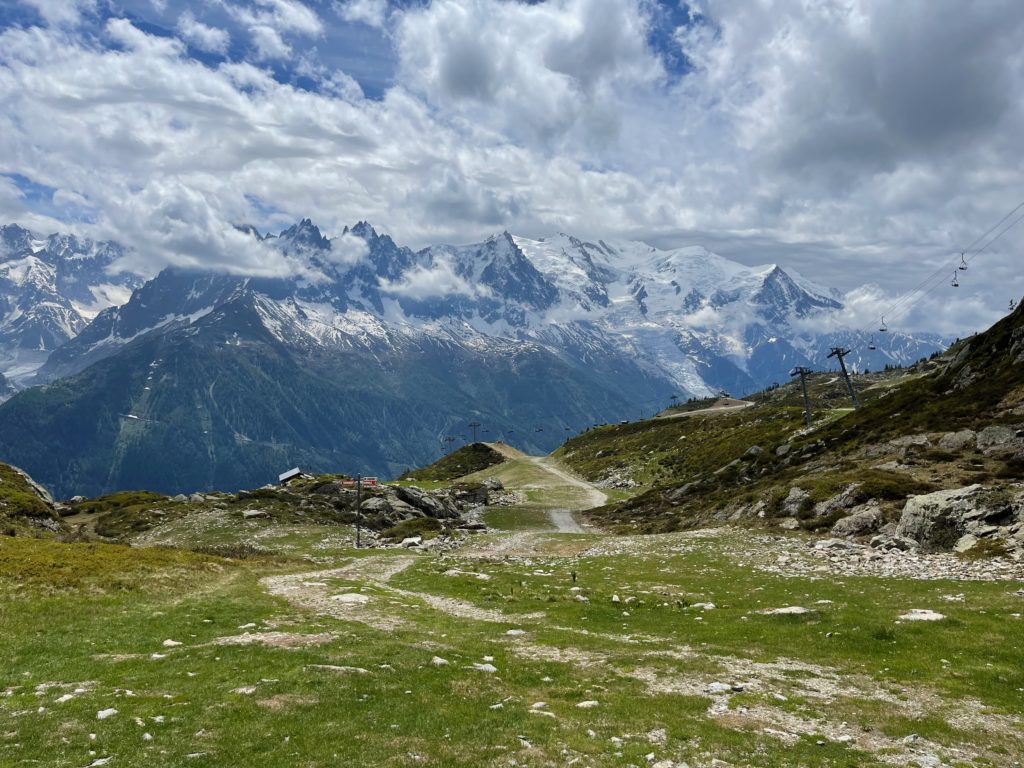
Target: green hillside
{"x":468,"y":459}
{"x":25,"y":508}
{"x":740,"y":465}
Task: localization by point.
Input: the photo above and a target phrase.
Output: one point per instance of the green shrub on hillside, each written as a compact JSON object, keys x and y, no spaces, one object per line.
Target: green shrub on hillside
{"x":465,"y":461}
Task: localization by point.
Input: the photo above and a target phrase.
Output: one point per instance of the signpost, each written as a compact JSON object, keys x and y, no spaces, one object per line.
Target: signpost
{"x":359,"y":482}
{"x":359,"y":504}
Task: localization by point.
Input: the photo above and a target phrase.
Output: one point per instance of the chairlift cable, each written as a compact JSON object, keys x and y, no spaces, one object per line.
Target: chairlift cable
{"x":903,"y":304}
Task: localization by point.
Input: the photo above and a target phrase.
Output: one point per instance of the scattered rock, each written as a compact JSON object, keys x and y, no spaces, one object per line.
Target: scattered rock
{"x":965,"y":543}
{"x":351,"y":598}
{"x":718,"y":689}
{"x":590,"y":704}
{"x":490,"y":669}
{"x":834,"y":544}
{"x":921,"y":614}
{"x":789,"y":610}
{"x":341,"y":670}
{"x":103,"y":714}
{"x":861,"y":521}
{"x":437,"y":661}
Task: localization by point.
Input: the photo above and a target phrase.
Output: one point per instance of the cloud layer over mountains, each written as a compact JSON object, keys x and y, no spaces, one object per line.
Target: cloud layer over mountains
{"x":858,"y":140}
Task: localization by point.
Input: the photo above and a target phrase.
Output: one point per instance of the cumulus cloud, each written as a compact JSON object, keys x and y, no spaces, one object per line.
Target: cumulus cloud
{"x":548,"y":71}
{"x":268,"y":21}
{"x":431,"y":281}
{"x":203,"y":37}
{"x":348,"y":249}
{"x":857,"y":141}
{"x":269,"y":43}
{"x":370,"y":12}
{"x":61,"y":12}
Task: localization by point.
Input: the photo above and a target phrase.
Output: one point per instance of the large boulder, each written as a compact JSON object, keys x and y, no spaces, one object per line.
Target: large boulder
{"x":965,"y":439}
{"x":430,"y":505}
{"x":471,"y":494}
{"x":842,"y":500}
{"x":861,"y":521}
{"x":939,"y":520}
{"x":793,"y":502}
{"x":1001,"y":439}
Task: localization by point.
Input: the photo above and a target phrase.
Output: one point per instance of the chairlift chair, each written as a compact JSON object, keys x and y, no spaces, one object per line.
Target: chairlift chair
{"x":955,"y":283}
{"x":883,"y":327}
{"x":871,"y":344}
{"x":963,"y":262}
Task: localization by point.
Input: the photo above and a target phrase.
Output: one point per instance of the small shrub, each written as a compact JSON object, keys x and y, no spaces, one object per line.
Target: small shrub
{"x":427,"y":527}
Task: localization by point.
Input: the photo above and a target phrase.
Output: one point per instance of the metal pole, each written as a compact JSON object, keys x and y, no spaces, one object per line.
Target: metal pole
{"x":473,"y":425}
{"x":803,"y":371}
{"x":359,"y":504}
{"x":840,"y":353}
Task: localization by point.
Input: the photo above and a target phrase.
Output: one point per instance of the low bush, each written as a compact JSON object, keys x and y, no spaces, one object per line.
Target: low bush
{"x":427,"y":527}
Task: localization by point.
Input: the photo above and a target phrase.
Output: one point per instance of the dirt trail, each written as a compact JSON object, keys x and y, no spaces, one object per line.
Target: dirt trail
{"x":507,"y":451}
{"x":564,"y":521}
{"x":734,"y":405}
{"x":593,"y":497}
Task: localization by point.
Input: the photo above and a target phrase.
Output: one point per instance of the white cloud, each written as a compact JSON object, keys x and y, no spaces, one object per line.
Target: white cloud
{"x":557,"y":72}
{"x":436,"y":280}
{"x":371,"y":12}
{"x":203,"y":37}
{"x":61,"y":12}
{"x":347,"y":249}
{"x":828,"y":136}
{"x":269,"y":44}
{"x":268,"y":21}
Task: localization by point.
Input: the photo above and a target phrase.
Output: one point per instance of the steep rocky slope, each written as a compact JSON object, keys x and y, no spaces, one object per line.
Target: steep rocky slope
{"x":947,"y":434}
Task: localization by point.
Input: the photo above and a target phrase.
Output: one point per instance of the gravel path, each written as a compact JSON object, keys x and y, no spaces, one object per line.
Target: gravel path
{"x":592,"y":497}
{"x":564,"y":521}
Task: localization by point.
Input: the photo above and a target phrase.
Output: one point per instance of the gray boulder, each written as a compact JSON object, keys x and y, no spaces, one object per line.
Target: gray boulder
{"x":493,"y":484}
{"x":902,"y":445}
{"x":863,"y":520}
{"x":939,"y":520}
{"x":1001,"y":439}
{"x":430,"y":505}
{"x":470,"y":495}
{"x":842,"y":500}
{"x":794,"y":500}
{"x":966,"y":543}
{"x":965,"y":439}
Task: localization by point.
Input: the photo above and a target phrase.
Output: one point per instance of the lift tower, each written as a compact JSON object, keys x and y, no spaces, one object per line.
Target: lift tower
{"x":840,"y":353}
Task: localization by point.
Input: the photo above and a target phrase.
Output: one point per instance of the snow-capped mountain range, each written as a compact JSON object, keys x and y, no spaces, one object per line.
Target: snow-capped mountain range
{"x":688,"y":317}
{"x":50,"y":289}
{"x":370,"y":353}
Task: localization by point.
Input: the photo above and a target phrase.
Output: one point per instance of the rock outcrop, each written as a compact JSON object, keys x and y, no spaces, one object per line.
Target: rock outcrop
{"x":944,"y":519}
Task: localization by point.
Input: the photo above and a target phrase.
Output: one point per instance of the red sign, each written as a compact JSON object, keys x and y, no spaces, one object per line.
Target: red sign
{"x":368,"y":482}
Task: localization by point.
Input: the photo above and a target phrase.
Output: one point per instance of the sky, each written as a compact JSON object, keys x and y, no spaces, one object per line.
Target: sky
{"x":864,"y":143}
